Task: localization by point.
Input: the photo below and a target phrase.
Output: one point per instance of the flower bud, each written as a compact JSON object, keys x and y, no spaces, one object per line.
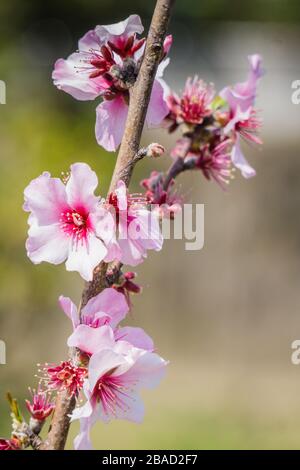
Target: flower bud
{"x":155,"y":150}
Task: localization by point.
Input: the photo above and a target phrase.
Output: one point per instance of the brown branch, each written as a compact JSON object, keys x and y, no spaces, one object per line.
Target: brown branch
{"x":138,"y":105}
{"x":141,"y":91}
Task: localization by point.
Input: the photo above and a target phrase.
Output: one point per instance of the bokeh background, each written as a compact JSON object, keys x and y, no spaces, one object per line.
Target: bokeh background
{"x":225,"y":316}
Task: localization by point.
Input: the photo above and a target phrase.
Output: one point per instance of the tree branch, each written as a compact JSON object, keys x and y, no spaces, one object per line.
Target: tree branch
{"x":138,"y":105}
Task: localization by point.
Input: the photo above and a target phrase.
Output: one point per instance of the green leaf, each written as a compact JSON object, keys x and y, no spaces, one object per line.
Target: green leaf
{"x":218,"y":102}
{"x":14,"y":407}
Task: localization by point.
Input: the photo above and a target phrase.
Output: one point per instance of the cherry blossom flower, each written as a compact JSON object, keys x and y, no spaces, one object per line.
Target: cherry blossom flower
{"x":106,"y":65}
{"x":168,"y":201}
{"x":64,"y":376}
{"x":193,"y":106}
{"x":138,"y":228}
{"x":63,"y":221}
{"x":243,"y":94}
{"x":246,"y":125}
{"x":242,"y":117}
{"x":10,"y":444}
{"x":115,"y":377}
{"x":215,"y":162}
{"x":99,"y":320}
{"x":40,"y":407}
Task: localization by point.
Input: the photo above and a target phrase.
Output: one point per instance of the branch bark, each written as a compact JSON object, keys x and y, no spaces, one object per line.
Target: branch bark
{"x":139,"y":100}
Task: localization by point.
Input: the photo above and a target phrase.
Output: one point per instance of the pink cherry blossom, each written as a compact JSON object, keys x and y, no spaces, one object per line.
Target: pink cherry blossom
{"x":246,"y":125}
{"x":106,"y":65}
{"x":99,"y":323}
{"x":115,"y":377}
{"x":63,"y":221}
{"x":10,"y":444}
{"x":215,"y":162}
{"x":111,"y":115}
{"x":40,"y":407}
{"x":138,"y":228}
{"x":168,"y":201}
{"x":240,"y":99}
{"x":244,"y":94}
{"x":64,"y":376}
{"x":194,"y":104}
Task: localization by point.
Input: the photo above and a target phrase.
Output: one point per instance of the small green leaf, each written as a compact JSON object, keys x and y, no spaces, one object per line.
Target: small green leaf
{"x":218,"y":102}
{"x":14,"y":407}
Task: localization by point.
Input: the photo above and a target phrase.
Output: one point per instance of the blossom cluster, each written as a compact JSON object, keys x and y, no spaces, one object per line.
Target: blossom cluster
{"x":213,"y":124}
{"x":69,"y":222}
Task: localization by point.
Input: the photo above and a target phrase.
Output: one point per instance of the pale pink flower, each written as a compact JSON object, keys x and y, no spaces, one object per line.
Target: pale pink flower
{"x":115,"y":377}
{"x":106,"y":65}
{"x":193,"y":106}
{"x":100,"y":318}
{"x":243,"y":124}
{"x":243,"y":94}
{"x":215,"y":162}
{"x":242,"y":118}
{"x":168,"y":201}
{"x":40,"y":407}
{"x":63,"y":221}
{"x":138,"y":228}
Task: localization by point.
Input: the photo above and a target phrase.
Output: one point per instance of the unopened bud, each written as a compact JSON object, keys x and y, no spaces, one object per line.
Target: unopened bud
{"x":155,"y":150}
{"x":167,"y":44}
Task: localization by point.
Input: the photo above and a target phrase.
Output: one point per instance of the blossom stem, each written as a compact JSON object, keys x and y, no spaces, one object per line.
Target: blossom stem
{"x":138,"y":105}
{"x":176,"y":168}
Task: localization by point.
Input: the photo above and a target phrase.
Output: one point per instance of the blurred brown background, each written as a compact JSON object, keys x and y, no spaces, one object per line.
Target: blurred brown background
{"x":224,"y":316}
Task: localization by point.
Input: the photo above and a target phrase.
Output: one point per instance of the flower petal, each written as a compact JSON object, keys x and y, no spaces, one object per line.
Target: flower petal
{"x":145,"y":230}
{"x":45,"y":197}
{"x":91,"y":340}
{"x":70,"y":76}
{"x":147,"y":371}
{"x":158,"y":108}
{"x":136,"y":336}
{"x":70,"y":309}
{"x":84,"y":411}
{"x":110,"y":123}
{"x":124,"y":28}
{"x":110,"y":302}
{"x":102,"y":362}
{"x":243,"y":94}
{"x":240,"y":161}
{"x":90,"y":41}
{"x":47,"y":243}
{"x":85,"y":256}
{"x":132,"y":253}
{"x":81,"y":186}
{"x":83,"y":441}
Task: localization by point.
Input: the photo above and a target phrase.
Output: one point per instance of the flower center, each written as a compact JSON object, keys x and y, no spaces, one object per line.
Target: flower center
{"x":111,"y":393}
{"x":75,"y":224}
{"x":64,"y":376}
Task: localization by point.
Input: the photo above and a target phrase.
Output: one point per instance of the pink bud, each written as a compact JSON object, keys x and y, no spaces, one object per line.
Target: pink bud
{"x":40,"y":406}
{"x":9,"y":444}
{"x":168,"y":43}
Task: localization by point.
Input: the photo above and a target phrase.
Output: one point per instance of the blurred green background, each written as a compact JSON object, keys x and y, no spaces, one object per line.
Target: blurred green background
{"x":225,"y":316}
